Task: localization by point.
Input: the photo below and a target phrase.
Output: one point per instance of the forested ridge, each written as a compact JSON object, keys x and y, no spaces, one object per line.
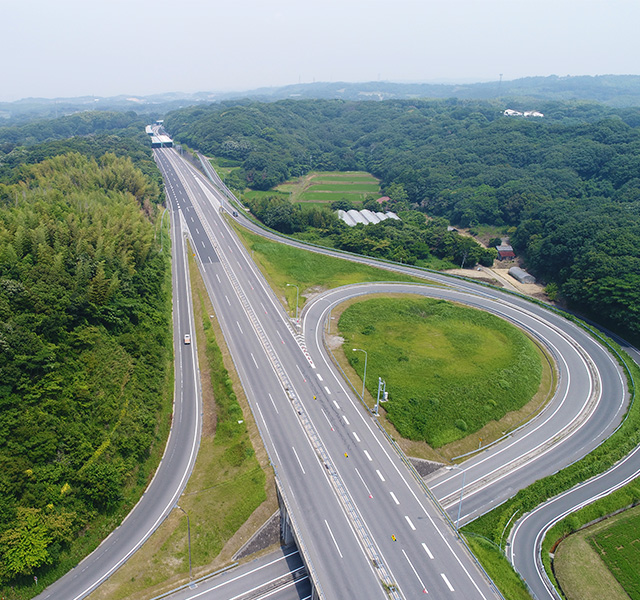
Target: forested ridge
{"x":91,"y":133}
{"x":566,"y":187}
{"x":85,"y":344}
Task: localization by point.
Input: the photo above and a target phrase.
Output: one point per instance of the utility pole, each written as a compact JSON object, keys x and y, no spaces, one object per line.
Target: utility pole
{"x":464,"y":473}
{"x":364,"y":378}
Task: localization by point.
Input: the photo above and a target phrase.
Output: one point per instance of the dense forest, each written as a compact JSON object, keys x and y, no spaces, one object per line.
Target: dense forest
{"x":90,"y":133}
{"x":85,"y":336}
{"x":566,"y":186}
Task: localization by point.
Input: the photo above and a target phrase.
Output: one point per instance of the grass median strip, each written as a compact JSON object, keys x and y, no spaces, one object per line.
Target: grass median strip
{"x":312,"y":272}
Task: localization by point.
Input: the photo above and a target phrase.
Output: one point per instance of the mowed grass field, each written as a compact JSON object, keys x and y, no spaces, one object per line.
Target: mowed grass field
{"x":449,"y":369}
{"x":329,"y":186}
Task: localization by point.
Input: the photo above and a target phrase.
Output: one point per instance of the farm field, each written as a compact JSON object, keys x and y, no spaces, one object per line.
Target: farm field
{"x":329,"y":186}
{"x":618,"y":546}
{"x":449,"y":369}
{"x":602,"y":556}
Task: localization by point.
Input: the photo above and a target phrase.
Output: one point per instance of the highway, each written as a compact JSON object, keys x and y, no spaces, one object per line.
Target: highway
{"x":588,"y":405}
{"x":349,"y":494}
{"x":280,"y":574}
{"x":179,"y":457}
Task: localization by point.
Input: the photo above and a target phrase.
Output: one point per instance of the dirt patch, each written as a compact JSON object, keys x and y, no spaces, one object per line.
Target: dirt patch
{"x":478,"y":274}
{"x":333,"y":341}
{"x":313,"y":292}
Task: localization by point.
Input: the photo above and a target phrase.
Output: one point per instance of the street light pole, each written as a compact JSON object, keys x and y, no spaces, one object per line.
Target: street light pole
{"x":188,"y":538}
{"x":364,"y":378}
{"x":297,"y":295}
{"x":464,"y":473}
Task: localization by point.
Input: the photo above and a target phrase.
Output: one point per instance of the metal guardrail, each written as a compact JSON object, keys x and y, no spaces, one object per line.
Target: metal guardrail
{"x":215,"y":178}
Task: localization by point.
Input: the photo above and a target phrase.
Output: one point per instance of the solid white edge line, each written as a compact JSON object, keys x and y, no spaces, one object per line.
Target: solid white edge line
{"x":333,"y":538}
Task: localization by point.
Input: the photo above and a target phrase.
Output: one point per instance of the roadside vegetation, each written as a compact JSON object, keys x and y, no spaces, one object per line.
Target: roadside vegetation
{"x":498,"y":568}
{"x":581,"y":572}
{"x":85,"y":360}
{"x":312,"y":272}
{"x":230,"y":493}
{"x":449,"y":369}
{"x":568,"y":568}
{"x":617,"y":546}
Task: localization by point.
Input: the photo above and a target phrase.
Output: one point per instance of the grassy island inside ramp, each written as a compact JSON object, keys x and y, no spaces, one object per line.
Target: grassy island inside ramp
{"x":449,"y":369}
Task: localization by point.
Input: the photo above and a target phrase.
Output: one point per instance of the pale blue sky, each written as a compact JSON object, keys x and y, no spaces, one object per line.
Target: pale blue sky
{"x":61,"y":48}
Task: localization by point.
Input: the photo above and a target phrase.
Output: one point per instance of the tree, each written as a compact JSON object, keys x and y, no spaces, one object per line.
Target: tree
{"x":24,"y":547}
{"x":342,"y":204}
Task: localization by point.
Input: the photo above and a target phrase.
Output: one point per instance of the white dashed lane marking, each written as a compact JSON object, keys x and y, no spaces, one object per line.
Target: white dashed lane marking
{"x":274,"y":404}
{"x":447,"y":582}
{"x":427,"y":551}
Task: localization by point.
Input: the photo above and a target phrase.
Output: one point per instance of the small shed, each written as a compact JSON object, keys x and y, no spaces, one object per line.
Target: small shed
{"x":521,"y":275}
{"x":505,"y":252}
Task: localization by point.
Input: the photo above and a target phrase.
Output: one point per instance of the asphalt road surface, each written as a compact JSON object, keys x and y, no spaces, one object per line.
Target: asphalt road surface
{"x":361,"y":515}
{"x":588,"y":405}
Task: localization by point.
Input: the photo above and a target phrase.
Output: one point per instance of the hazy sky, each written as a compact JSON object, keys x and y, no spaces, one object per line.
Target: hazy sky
{"x":61,"y":48}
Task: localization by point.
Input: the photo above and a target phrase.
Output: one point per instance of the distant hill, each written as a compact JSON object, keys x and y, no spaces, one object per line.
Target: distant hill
{"x":613,"y":90}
